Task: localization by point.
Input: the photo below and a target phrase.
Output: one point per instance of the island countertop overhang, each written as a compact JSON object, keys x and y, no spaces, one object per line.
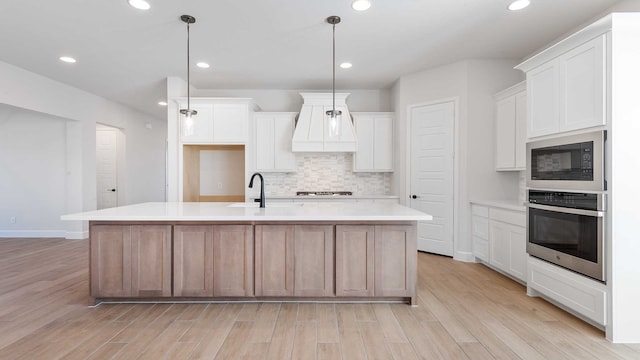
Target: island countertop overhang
{"x":225,"y":212}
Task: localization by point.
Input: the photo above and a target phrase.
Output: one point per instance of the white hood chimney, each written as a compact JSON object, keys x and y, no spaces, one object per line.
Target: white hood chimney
{"x":312,"y":127}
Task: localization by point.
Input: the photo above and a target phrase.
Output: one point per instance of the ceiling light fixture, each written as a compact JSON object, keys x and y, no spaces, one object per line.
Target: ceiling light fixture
{"x":188,"y":112}
{"x":203,"y":65}
{"x":162,"y":103}
{"x":361,"y":5}
{"x":518,"y":5}
{"x":335,"y":116}
{"x":139,"y":4}
{"x":67,"y":59}
{"x":346,"y":65}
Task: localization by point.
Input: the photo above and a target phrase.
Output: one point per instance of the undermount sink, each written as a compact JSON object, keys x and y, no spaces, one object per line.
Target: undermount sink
{"x":268,"y":205}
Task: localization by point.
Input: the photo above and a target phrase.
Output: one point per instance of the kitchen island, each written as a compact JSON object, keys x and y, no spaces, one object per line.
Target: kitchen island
{"x":240,"y":252}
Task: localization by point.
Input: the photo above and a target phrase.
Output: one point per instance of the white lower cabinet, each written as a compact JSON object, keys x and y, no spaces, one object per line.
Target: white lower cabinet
{"x":579,"y":294}
{"x":499,"y":239}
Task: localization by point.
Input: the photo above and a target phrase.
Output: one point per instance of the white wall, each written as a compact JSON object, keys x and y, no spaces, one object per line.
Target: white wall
{"x":472,"y":83}
{"x":81,"y":110}
{"x":32,"y":175}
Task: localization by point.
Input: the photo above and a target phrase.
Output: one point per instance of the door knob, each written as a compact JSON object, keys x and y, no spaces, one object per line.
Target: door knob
{"x":113,"y":190}
{"x":414,"y":196}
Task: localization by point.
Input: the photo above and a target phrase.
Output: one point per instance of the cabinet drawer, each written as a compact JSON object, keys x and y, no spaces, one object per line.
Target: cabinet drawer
{"x":510,"y":217}
{"x":580,"y":294}
{"x":480,"y":210}
{"x":480,"y":227}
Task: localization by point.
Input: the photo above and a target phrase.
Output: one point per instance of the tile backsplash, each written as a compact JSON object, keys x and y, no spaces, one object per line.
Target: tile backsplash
{"x":326,"y":172}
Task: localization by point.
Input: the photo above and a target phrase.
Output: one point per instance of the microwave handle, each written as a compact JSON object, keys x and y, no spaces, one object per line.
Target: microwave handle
{"x":593,"y":213}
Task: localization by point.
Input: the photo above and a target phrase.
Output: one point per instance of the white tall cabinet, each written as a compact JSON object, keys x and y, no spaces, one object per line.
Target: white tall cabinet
{"x":511,"y":122}
{"x":586,"y":82}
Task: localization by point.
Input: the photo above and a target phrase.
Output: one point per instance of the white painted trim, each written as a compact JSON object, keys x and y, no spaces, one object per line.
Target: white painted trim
{"x":464,"y":256}
{"x":456,"y":159}
{"x":33,"y":233}
{"x":77,"y":235}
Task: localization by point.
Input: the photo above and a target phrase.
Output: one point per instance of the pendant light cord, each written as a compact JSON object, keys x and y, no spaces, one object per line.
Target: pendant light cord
{"x":333,"y":114}
{"x":188,"y":73}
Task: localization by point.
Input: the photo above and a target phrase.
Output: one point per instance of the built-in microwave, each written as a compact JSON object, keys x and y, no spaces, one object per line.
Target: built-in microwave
{"x":573,"y":162}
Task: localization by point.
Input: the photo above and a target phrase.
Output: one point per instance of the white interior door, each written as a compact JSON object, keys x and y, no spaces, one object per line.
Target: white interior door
{"x":106,"y":168}
{"x":431,"y":174}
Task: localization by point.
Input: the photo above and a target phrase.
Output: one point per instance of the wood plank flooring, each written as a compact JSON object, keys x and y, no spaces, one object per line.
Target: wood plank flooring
{"x":466,"y":311}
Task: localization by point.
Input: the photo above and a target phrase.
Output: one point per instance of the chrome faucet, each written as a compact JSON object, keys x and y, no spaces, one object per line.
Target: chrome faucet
{"x":261,"y":187}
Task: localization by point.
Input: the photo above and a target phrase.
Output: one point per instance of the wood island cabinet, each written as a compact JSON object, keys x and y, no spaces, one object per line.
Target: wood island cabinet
{"x":354,"y":260}
{"x":274,"y":260}
{"x":313,"y":260}
{"x":302,"y":260}
{"x":193,"y":260}
{"x":396,"y":257}
{"x":130,"y":260}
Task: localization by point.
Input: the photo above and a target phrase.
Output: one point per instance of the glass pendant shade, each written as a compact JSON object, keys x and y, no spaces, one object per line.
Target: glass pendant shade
{"x":335,"y":122}
{"x":187,"y":124}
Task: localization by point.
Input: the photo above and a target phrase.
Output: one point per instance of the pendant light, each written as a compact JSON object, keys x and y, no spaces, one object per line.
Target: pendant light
{"x":335,"y":116}
{"x":188,"y":113}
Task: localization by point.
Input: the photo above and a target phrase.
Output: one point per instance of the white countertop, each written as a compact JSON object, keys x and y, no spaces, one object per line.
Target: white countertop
{"x":504,"y":204}
{"x":331,"y":197}
{"x":184,"y":211}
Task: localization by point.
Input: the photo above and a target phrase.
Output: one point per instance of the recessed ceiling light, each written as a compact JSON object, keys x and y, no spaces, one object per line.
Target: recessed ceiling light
{"x":202,"y":65}
{"x":519,"y":5}
{"x":162,"y":103}
{"x":67,"y":59}
{"x":139,"y":4}
{"x":346,"y":65}
{"x":361,"y":5}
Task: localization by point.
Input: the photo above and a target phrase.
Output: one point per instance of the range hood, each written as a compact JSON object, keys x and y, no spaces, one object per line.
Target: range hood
{"x":312,"y":126}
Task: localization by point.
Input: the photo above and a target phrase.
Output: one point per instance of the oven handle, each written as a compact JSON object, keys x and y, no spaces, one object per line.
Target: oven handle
{"x":593,"y":213}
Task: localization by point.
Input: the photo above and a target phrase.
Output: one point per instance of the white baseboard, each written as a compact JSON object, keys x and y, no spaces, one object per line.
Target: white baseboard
{"x":464,"y":256}
{"x":71,"y":235}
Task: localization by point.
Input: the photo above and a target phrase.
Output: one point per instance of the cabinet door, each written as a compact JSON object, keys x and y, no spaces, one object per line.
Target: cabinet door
{"x":505,"y":133}
{"x":354,"y":260}
{"x":314,"y":260}
{"x":233,"y":260}
{"x":198,"y":130}
{"x":582,"y":87}
{"x":193,"y":260}
{"x":274,"y":260}
{"x":365,"y":133}
{"x":110,"y":260}
{"x":518,"y":252}
{"x":480,"y":237}
{"x":521,"y":131}
{"x":265,"y":142}
{"x":284,"y":158}
{"x":542,"y":98}
{"x":395,"y":260}
{"x":230,"y":123}
{"x":500,"y":245}
{"x":151,"y":260}
{"x":383,"y":141}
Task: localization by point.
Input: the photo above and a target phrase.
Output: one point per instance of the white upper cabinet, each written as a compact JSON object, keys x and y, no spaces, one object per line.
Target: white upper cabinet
{"x":374,"y":132}
{"x":568,"y":92}
{"x":582,"y":87}
{"x":511,"y":113}
{"x":273,"y":142}
{"x":219,"y":121}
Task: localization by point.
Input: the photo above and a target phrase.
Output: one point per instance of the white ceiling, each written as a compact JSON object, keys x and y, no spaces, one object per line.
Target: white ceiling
{"x":125,"y":54}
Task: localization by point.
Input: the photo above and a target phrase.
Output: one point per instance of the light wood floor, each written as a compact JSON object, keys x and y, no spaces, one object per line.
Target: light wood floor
{"x":465,"y":311}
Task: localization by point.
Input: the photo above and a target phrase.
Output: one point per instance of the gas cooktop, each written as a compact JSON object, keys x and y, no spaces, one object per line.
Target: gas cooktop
{"x":324,"y":193}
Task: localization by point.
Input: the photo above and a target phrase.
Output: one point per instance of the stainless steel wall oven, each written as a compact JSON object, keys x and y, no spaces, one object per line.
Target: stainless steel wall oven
{"x":567,"y":229}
